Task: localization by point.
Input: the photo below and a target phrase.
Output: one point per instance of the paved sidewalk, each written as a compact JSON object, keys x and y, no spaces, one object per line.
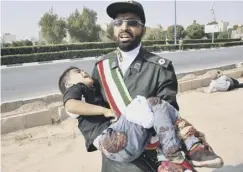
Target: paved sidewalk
{"x":61,"y":148}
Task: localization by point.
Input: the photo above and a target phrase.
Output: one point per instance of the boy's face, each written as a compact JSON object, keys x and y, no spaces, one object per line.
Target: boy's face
{"x":79,"y":76}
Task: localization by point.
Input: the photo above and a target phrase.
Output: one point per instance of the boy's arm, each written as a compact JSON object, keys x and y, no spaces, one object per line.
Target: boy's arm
{"x":73,"y":103}
{"x":86,"y":109}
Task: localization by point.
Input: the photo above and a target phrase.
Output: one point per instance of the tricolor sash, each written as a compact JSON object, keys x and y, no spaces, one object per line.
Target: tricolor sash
{"x":115,"y":89}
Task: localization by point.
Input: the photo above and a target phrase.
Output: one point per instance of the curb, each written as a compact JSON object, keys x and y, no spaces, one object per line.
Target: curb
{"x":11,"y":106}
{"x":56,"y":113}
{"x":28,"y":120}
{"x":204,"y":71}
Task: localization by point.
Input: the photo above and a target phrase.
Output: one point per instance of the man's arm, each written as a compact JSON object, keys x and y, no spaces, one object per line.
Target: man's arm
{"x":168,"y":85}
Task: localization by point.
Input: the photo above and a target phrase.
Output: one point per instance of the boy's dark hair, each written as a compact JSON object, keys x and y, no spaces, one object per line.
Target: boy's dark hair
{"x":63,"y":79}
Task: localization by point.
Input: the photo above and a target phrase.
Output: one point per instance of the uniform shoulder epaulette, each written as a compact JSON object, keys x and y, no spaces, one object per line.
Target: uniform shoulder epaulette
{"x":106,"y":56}
{"x":156,"y":59}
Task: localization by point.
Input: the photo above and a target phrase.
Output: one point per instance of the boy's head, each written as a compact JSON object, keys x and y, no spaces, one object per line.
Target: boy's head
{"x":217,"y":74}
{"x":74,"y":75}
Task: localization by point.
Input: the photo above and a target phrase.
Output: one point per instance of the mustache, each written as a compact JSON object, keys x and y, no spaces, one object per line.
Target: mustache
{"x":127,"y":32}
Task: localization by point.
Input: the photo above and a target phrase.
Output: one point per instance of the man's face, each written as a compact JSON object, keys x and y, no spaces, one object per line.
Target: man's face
{"x":128,"y":34}
{"x":79,"y":76}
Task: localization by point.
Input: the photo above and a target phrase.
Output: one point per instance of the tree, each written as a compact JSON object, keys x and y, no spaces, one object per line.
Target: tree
{"x":53,"y":28}
{"x":82,"y":27}
{"x":212,"y":23}
{"x":179,"y":34}
{"x":235,"y":27}
{"x":223,"y":35}
{"x":157,"y":33}
{"x":209,"y":35}
{"x":110,"y":32}
{"x":22,"y":43}
{"x":230,"y":30}
{"x":107,"y":35}
{"x":195,"y":31}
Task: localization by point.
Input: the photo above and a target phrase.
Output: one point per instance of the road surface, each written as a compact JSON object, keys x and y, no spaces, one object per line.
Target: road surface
{"x":42,"y":79}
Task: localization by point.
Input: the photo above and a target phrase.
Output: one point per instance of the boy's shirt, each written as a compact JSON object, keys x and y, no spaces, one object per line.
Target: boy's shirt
{"x":90,"y":126}
{"x":220,"y":84}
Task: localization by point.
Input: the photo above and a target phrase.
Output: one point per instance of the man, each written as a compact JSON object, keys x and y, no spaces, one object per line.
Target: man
{"x":143,"y":73}
{"x":181,"y":44}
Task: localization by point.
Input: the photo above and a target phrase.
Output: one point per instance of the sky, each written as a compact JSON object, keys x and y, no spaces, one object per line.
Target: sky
{"x":21,"y":17}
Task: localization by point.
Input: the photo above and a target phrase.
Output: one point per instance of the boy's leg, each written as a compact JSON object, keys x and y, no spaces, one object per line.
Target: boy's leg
{"x":169,"y":151}
{"x":199,"y":153}
{"x":198,"y":150}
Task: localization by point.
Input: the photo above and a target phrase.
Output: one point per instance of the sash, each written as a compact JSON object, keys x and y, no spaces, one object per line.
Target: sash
{"x":116,"y":91}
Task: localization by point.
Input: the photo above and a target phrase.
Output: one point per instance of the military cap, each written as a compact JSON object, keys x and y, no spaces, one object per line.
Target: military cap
{"x":126,"y":6}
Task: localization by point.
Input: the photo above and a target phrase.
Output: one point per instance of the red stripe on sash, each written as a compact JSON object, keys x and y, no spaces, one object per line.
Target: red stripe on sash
{"x":107,"y":90}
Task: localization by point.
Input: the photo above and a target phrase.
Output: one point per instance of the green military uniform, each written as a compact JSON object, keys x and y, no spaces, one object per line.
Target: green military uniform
{"x":149,"y":75}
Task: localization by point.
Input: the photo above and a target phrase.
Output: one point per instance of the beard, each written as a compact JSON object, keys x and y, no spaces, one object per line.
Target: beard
{"x":131,"y":44}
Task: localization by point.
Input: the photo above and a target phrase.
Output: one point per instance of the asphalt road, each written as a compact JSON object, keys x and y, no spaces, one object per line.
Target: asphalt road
{"x":42,"y":79}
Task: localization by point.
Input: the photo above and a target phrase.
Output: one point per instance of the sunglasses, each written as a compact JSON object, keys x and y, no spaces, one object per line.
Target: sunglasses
{"x":130,"y":22}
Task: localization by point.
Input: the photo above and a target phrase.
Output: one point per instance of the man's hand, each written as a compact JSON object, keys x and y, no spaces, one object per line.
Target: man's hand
{"x":109,"y":113}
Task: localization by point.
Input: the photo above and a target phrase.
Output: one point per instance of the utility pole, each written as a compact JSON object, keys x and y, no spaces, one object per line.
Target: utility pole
{"x":175,"y":29}
{"x":214,"y":19}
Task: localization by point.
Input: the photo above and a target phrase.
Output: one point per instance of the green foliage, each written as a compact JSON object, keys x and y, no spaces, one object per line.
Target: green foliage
{"x":82,"y":27}
{"x":22,"y":43}
{"x":39,"y":57}
{"x":157,"y":33}
{"x":212,"y":23}
{"x":107,"y":35}
{"x":235,"y":27}
{"x":195,"y":31}
{"x":53,"y":28}
{"x":55,"y":48}
{"x":223,"y":35}
{"x":181,"y":33}
{"x":93,"y":45}
{"x":209,"y":35}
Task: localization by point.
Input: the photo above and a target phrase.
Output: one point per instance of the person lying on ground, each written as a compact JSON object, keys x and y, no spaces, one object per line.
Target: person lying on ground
{"x":222,"y":83}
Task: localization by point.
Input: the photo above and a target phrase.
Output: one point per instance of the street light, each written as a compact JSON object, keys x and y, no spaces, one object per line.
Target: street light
{"x":175,"y":30}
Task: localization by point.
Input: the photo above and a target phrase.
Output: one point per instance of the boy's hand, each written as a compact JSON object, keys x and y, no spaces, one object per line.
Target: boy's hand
{"x":109,"y":113}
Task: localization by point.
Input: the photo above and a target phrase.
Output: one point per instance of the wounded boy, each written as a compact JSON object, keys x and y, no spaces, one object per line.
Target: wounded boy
{"x":222,"y":83}
{"x":126,"y":139}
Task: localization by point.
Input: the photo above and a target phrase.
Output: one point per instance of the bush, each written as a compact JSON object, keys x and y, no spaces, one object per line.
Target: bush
{"x":38,"y":57}
{"x":56,"y":48}
{"x":194,"y":41}
{"x":92,"y":45}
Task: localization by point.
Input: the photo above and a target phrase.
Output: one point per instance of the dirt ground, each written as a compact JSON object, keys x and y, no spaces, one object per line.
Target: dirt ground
{"x":60,"y":148}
